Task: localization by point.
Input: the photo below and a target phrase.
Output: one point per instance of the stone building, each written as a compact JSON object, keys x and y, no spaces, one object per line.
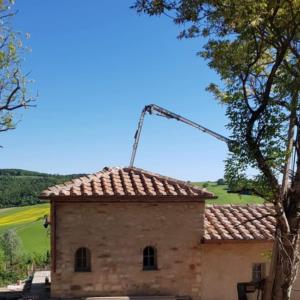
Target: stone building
{"x":129,"y":232}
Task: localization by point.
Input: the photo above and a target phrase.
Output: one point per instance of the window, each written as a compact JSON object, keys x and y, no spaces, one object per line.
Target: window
{"x":83,"y":260}
{"x":258,"y":272}
{"x":149,"y":258}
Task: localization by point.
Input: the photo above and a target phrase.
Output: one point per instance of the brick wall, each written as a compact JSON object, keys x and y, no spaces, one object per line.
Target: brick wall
{"x":116,"y":234}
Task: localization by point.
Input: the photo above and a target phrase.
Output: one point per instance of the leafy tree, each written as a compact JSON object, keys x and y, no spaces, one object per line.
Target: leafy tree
{"x":13,"y":83}
{"x":11,"y":245}
{"x":243,"y":186}
{"x":220,"y":181}
{"x":254,"y":46}
{"x":13,"y":261}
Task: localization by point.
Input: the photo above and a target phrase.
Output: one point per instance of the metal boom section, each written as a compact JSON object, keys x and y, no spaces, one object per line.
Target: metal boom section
{"x":162,"y":112}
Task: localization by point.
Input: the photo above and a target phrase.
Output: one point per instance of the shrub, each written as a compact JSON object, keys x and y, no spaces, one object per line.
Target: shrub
{"x":7,"y":277}
{"x":220,"y":181}
{"x":205,"y":184}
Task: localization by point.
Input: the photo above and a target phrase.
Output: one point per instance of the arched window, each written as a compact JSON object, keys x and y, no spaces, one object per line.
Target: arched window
{"x":83,"y":260}
{"x":149,"y":258}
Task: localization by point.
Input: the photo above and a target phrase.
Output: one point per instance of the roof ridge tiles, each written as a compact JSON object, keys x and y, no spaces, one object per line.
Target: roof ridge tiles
{"x":158,"y":175}
{"x":127,"y":181}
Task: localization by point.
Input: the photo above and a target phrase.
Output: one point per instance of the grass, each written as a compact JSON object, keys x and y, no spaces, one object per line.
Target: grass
{"x":228,"y":198}
{"x":28,"y":220}
{"x":28,"y":223}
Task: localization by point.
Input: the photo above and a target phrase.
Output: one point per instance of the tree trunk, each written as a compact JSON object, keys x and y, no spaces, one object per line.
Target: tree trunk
{"x":286,"y":266}
{"x":285,"y":256}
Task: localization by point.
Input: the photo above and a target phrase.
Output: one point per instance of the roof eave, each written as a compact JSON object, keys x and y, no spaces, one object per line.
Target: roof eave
{"x":235,"y":241}
{"x":127,"y":198}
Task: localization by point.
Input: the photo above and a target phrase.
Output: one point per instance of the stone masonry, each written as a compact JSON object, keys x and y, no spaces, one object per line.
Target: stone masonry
{"x":116,"y":234}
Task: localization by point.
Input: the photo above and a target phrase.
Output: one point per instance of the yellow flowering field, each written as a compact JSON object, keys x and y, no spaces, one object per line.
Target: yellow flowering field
{"x":24,"y":214}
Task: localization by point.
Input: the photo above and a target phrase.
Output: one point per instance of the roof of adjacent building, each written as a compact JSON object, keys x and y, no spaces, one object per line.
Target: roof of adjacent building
{"x":129,"y":181}
{"x":239,"y":222}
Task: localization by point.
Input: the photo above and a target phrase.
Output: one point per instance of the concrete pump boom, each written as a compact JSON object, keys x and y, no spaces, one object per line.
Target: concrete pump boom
{"x":162,"y":112}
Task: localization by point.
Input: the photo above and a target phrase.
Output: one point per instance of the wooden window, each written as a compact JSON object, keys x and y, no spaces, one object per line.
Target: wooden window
{"x":82,"y":260}
{"x":149,"y":258}
{"x":258,"y":272}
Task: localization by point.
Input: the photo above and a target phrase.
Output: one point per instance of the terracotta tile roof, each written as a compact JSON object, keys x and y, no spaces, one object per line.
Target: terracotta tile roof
{"x":125,"y":182}
{"x":239,"y":222}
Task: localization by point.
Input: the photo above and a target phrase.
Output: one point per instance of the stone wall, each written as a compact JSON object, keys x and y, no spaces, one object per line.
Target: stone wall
{"x":116,"y":234}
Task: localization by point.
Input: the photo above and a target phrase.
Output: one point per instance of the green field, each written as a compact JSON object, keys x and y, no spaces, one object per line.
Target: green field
{"x":28,"y":220}
{"x":226,"y":198}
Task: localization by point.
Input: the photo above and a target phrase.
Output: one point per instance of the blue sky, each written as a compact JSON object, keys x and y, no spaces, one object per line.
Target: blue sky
{"x":95,"y":65}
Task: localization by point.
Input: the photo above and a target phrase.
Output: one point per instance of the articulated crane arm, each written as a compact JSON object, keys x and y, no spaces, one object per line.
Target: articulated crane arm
{"x":162,"y":112}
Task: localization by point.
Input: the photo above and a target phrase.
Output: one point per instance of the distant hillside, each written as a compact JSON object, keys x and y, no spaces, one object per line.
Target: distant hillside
{"x":22,"y":187}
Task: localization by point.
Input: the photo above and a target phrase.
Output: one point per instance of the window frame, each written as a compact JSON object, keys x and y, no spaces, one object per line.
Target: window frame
{"x":150,"y":258}
{"x":82,"y":260}
{"x":258,"y":272}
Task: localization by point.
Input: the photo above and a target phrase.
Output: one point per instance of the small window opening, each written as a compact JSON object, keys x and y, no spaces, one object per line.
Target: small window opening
{"x":258,"y":272}
{"x":149,"y":258}
{"x":83,"y":260}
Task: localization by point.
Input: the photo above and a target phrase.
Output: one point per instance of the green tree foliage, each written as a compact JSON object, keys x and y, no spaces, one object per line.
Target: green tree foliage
{"x":2,"y":261}
{"x":220,"y":181}
{"x":13,"y":83}
{"x":14,"y":263}
{"x":38,"y":260}
{"x":11,"y":245}
{"x":254,"y":46}
{"x":21,"y":187}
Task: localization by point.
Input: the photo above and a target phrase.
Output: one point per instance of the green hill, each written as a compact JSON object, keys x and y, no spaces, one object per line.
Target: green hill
{"x":21,"y":187}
